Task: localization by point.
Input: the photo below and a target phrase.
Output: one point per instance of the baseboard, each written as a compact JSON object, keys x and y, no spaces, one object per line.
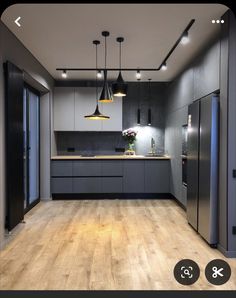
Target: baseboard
{"x":100,"y":196}
{"x":227,"y":253}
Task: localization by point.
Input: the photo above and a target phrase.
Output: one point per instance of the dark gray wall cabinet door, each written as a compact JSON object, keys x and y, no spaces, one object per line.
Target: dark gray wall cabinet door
{"x":61,"y":168}
{"x":61,"y":185}
{"x":87,"y":168}
{"x":133,"y":176}
{"x":206,"y":72}
{"x":157,"y":176}
{"x":87,"y":185}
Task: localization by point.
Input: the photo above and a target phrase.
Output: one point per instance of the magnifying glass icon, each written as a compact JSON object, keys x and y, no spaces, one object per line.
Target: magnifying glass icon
{"x":186,"y":272}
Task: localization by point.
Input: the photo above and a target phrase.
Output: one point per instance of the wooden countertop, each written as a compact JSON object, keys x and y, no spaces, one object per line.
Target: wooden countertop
{"x":79,"y":157}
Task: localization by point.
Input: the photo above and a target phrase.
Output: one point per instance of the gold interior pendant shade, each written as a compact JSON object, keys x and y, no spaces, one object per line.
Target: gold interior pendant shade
{"x":97,"y":115}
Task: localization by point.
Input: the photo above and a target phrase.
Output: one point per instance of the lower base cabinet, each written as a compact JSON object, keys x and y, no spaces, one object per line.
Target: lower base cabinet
{"x":157,"y":177}
{"x":61,"y":185}
{"x":126,"y":176}
{"x":112,"y":184}
{"x":87,"y":185}
{"x":133,"y":176}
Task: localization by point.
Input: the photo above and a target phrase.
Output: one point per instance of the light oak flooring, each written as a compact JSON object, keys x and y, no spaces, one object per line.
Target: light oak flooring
{"x":104,"y":245}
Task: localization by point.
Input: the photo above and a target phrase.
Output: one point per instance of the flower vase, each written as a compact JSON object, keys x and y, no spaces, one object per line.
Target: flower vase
{"x":130,"y":150}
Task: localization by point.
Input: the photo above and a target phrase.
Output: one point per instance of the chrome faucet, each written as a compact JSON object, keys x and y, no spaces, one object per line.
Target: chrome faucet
{"x":153,"y":146}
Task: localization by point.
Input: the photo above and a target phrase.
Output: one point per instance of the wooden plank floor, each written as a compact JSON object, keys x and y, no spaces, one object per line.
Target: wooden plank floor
{"x":104,"y":244}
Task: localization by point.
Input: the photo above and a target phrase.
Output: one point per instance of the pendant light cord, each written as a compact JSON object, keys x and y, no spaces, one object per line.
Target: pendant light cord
{"x":120,"y":56}
{"x":105,"y":52}
{"x":96,"y":73}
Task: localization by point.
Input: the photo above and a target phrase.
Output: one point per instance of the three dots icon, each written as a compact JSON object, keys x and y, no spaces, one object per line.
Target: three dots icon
{"x":217,"y":21}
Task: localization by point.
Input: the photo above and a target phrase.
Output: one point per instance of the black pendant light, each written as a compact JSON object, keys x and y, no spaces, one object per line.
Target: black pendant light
{"x":106,"y":95}
{"x":119,"y":88}
{"x":96,"y":115}
{"x":149,"y":110}
{"x":138,"y":110}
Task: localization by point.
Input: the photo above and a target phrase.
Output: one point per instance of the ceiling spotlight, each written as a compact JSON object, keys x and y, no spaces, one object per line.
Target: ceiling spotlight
{"x":185,"y":38}
{"x":164,"y":66}
{"x":138,"y":74}
{"x":99,"y":74}
{"x":64,"y":74}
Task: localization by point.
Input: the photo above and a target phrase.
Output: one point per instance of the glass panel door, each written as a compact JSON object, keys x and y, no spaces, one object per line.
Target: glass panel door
{"x":31,"y":147}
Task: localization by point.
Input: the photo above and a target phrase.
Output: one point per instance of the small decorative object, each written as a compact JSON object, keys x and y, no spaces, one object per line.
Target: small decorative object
{"x":130,"y":136}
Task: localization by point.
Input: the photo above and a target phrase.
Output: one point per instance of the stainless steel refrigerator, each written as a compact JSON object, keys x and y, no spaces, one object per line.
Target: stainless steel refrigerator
{"x":202,"y":167}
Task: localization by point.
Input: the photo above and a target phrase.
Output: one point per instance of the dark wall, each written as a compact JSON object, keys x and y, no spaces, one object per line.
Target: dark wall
{"x":105,"y":142}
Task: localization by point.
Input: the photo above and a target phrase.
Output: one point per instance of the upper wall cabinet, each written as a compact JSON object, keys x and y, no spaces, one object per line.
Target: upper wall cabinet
{"x":63,"y":109}
{"x":72,"y":104}
{"x":207,"y":72}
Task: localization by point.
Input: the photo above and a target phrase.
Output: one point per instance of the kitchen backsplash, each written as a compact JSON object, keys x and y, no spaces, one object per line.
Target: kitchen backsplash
{"x":106,"y":143}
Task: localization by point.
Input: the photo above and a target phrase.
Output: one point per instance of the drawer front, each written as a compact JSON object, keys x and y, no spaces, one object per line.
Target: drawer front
{"x":157,"y":176}
{"x":112,"y":184}
{"x":61,"y":185}
{"x":87,"y":185}
{"x":133,"y":181}
{"x":87,"y":168}
{"x":61,"y":168}
{"x":112,"y":168}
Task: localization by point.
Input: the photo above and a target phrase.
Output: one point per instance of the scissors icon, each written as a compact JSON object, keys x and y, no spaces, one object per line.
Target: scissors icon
{"x":217,"y":272}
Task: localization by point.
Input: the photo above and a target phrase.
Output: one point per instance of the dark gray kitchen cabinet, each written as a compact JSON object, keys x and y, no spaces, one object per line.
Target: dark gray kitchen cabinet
{"x":157,"y":176}
{"x":112,"y":168}
{"x":61,"y":168}
{"x":61,"y":185}
{"x":133,"y":179}
{"x":87,"y":185}
{"x":112,"y":184}
{"x":110,"y":176}
{"x":207,"y":72}
{"x":87,"y":168}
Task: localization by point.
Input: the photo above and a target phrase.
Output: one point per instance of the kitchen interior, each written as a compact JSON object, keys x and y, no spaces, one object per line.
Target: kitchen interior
{"x":117,"y":144}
